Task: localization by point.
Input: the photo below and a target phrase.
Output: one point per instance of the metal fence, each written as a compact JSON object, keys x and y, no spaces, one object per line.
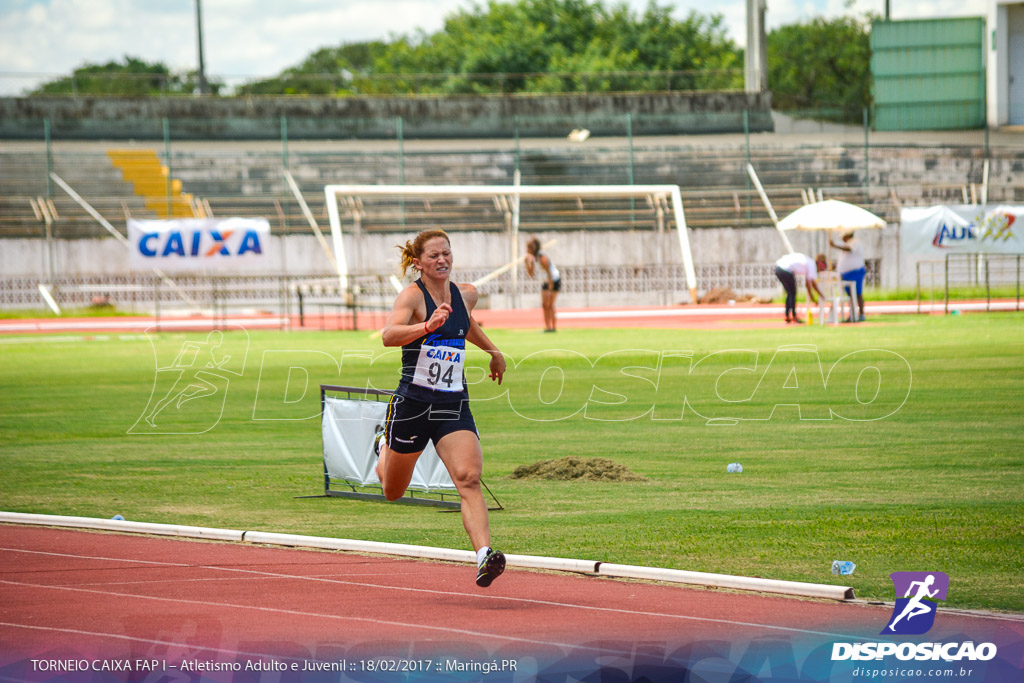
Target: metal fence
{"x":969,"y":276}
{"x":318,"y":302}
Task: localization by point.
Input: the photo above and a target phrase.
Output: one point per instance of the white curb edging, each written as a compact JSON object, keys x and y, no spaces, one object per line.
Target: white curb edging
{"x":123,"y":525}
{"x":377,"y":547}
{"x":593,"y":567}
{"x":561,"y":564}
{"x":814,"y":590}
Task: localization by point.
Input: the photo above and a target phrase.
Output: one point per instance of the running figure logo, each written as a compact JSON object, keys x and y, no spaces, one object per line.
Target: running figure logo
{"x":914,"y":613}
{"x":189,"y":393}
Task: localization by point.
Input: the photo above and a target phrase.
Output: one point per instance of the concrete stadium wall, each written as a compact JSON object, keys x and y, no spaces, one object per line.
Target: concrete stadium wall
{"x":449,"y":116}
{"x":301,"y":255}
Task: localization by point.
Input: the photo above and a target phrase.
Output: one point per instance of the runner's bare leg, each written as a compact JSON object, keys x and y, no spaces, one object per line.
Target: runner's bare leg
{"x":461,"y":454}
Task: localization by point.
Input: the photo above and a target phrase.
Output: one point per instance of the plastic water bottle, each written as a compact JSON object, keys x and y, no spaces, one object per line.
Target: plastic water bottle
{"x":843,"y":567}
{"x":734,"y":467}
{"x":119,"y":518}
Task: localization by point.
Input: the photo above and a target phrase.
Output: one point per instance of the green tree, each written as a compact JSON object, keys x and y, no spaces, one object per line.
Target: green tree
{"x":824,"y":64}
{"x":328,"y":71}
{"x":530,"y":45}
{"x":132,"y":77}
{"x":504,"y":46}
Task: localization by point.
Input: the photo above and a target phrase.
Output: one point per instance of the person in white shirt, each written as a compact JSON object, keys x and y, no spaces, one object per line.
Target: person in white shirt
{"x":786,"y":269}
{"x":851,"y":268}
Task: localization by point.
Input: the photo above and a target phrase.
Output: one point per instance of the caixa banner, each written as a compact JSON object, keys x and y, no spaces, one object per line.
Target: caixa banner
{"x":198,"y":243}
{"x":963,"y":229}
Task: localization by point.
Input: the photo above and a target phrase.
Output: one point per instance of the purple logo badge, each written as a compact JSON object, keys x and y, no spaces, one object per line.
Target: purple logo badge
{"x":916,"y":593}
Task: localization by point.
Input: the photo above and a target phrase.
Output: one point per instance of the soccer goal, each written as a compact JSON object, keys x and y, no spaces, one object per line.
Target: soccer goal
{"x":509,"y":208}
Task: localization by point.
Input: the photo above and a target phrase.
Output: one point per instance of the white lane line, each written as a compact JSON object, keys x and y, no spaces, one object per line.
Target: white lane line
{"x":454,"y":594}
{"x":314,"y":615}
{"x":30,"y":339}
{"x":233,"y":578}
{"x":140,"y":325}
{"x":94,"y":557}
{"x":773,"y":309}
{"x":51,"y":340}
{"x":149,"y":641}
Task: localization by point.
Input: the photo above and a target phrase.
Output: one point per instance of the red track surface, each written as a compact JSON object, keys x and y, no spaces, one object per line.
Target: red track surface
{"x":73,"y":594}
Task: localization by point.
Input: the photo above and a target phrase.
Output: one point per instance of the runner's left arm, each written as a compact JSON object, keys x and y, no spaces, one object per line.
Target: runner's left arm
{"x":476,"y":334}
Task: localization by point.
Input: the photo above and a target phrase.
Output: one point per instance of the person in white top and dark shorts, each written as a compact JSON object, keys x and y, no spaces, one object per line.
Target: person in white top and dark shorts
{"x":786,"y":269}
{"x":851,"y":268}
{"x":552,"y":280}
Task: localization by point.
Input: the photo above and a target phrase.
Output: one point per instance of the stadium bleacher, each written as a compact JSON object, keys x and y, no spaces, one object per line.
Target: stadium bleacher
{"x":245,"y":179}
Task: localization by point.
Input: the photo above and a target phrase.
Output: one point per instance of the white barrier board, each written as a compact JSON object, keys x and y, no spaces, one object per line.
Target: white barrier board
{"x":349,"y":426}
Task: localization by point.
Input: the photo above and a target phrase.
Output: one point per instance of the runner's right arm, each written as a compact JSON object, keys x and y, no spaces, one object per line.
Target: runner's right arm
{"x":405,"y":323}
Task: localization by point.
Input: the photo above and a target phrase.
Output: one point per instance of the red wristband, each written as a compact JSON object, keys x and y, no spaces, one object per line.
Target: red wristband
{"x":426,"y":330}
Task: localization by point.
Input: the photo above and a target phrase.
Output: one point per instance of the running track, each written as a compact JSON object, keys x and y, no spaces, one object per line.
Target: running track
{"x":707,"y":317}
{"x":68,"y":594}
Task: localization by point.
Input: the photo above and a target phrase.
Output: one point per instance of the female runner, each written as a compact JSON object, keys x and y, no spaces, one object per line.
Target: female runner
{"x":431,"y":321}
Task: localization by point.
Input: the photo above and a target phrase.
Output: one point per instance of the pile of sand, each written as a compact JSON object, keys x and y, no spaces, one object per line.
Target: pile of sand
{"x":723,"y":295}
{"x":571,"y":468}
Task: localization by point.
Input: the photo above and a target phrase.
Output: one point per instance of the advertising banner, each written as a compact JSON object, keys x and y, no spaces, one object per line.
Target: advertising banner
{"x":197,"y":244}
{"x":963,"y":229}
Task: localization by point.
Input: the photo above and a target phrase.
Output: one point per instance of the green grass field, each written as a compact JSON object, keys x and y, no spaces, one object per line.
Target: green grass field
{"x":909,"y":456}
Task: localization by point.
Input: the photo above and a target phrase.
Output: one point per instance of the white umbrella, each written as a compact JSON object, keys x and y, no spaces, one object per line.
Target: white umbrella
{"x":831,"y":214}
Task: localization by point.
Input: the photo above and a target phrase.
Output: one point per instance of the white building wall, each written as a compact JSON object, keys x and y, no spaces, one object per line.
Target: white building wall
{"x":1004,"y":18}
{"x":301,"y":255}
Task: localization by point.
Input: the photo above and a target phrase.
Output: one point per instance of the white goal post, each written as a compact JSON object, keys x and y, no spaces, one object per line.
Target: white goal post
{"x":510,"y":194}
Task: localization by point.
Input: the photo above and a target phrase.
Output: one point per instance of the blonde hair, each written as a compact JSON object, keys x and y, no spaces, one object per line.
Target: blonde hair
{"x":414,"y":247}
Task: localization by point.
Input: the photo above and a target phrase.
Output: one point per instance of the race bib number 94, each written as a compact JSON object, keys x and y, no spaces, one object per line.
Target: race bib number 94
{"x":439,"y":368}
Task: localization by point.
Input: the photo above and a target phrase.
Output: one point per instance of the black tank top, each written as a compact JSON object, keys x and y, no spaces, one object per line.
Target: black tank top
{"x":432,"y":366}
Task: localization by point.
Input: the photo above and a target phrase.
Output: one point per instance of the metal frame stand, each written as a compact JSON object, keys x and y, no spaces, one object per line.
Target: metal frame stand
{"x":437,"y":499}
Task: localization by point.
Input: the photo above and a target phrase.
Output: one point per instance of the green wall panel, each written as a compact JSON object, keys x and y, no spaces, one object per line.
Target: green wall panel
{"x":929,"y":74}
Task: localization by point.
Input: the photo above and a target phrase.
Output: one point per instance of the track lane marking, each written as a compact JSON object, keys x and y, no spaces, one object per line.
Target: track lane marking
{"x":533,"y":601}
{"x":299,"y":613}
{"x":168,"y":643}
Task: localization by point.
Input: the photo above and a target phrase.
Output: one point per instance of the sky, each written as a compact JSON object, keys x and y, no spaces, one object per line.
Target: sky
{"x":243,"y":39}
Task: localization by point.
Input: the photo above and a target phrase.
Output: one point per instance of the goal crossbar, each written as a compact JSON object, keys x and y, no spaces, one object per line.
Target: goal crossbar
{"x":669,"y":192}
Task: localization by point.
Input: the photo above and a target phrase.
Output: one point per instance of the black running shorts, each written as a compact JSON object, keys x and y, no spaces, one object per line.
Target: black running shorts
{"x":410,"y":424}
{"x":556,"y":288}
